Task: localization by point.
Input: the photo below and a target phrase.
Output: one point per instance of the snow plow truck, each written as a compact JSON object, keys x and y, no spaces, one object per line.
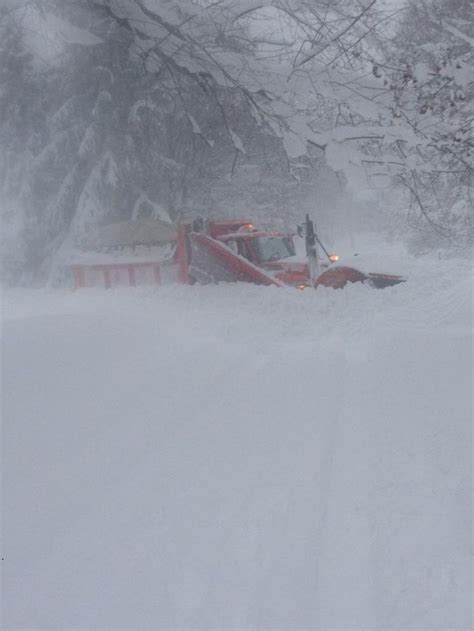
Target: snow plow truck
{"x":202,"y":252}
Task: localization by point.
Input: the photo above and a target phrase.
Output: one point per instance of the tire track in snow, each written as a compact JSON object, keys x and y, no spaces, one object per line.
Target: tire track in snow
{"x":345,"y":593}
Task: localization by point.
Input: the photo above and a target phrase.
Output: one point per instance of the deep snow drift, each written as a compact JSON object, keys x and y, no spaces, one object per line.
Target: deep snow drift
{"x":239,"y":457}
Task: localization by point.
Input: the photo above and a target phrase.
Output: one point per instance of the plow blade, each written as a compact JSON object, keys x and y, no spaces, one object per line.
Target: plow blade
{"x":338,"y":277}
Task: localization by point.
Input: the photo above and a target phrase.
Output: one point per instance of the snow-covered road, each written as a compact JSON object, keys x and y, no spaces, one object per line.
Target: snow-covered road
{"x":239,"y":457}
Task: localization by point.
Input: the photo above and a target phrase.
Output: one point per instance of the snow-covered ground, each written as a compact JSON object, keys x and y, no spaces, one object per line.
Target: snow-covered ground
{"x":235,"y":457}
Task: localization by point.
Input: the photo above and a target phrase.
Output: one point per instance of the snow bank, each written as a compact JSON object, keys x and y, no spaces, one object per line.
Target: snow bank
{"x":239,"y":457}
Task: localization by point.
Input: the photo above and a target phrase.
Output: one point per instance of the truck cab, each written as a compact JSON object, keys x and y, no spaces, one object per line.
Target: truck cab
{"x":273,"y":251}
{"x":261,"y":248}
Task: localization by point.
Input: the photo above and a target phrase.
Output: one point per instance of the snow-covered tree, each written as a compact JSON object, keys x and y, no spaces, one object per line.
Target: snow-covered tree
{"x":433,"y":95}
{"x":114,"y":109}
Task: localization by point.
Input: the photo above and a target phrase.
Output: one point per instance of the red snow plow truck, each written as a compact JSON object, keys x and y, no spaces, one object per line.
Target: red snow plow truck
{"x":202,"y":252}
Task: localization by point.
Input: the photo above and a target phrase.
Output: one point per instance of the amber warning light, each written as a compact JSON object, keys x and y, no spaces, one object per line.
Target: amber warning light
{"x":333,"y":258}
{"x":247,"y":227}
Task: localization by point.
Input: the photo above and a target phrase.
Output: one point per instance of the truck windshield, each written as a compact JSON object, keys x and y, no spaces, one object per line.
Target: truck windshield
{"x":274,"y":248}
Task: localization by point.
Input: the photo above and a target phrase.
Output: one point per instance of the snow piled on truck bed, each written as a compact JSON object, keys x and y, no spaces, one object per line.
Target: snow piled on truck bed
{"x":235,"y":456}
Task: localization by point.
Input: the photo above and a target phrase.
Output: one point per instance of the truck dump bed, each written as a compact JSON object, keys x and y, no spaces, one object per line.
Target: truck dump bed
{"x":132,"y":234}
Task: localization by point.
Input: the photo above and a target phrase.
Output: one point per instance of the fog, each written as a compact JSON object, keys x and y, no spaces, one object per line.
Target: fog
{"x":235,"y":256}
